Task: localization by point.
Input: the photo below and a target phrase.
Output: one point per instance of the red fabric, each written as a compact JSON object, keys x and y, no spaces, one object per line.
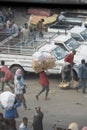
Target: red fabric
{"x":40,"y":11}
{"x":43,"y":79}
{"x":7,"y":72}
{"x":69,"y":58}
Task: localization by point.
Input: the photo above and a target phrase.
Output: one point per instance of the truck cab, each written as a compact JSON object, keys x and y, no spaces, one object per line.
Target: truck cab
{"x":79,"y":33}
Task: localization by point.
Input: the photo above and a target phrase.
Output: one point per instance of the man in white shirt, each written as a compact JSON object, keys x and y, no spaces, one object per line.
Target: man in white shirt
{"x":8,"y":23}
{"x":14,"y":28}
{"x":23,"y":125}
{"x":25,"y":32}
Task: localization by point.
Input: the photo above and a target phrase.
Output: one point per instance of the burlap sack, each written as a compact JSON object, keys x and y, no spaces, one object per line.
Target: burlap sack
{"x":64,"y":85}
{"x":37,"y":66}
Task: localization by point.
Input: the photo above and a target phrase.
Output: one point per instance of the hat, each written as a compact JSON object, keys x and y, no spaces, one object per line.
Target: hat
{"x":18,"y":71}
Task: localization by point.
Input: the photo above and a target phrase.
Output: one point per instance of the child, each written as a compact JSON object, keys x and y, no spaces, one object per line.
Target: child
{"x":23,"y":125}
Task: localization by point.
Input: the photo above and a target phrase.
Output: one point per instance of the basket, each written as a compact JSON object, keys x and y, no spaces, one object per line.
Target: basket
{"x":64,"y":85}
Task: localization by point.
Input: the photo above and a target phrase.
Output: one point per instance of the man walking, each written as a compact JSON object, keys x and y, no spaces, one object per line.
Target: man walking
{"x":40,"y":27}
{"x":7,"y":75}
{"x":82,"y":76}
{"x":44,"y":82}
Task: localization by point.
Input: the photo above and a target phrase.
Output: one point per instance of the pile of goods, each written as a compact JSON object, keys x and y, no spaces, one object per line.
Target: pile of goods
{"x":7,"y":99}
{"x":47,"y":20}
{"x":42,"y":60}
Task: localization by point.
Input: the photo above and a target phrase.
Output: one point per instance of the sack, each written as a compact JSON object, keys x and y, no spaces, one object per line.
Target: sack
{"x":24,"y":90}
{"x":74,"y":84}
{"x":64,"y":85}
{"x":7,"y":99}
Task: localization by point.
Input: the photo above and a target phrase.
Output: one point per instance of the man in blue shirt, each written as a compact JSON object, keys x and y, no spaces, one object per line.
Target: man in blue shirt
{"x":82,"y":76}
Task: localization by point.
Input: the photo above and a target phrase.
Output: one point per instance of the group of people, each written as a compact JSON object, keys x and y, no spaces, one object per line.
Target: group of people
{"x":68,"y":74}
{"x":19,"y":89}
{"x":8,"y":122}
{"x":27,"y":32}
{"x":19,"y":86}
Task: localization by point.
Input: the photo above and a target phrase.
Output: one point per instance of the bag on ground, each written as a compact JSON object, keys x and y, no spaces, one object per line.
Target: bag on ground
{"x":74,"y":84}
{"x":64,"y":85}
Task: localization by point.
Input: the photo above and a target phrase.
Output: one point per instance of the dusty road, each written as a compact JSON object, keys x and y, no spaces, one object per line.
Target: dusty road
{"x":62,"y":108}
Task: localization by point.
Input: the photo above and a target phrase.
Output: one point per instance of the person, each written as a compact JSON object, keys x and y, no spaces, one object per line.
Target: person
{"x":38,"y":119}
{"x":8,"y":23}
{"x":1,"y":16}
{"x":32,"y":34}
{"x":12,"y":113}
{"x":19,"y":86}
{"x":82,"y":73}
{"x":25,"y":32}
{"x":19,"y":73}
{"x":70,"y":58}
{"x":5,"y":29}
{"x":61,"y":18}
{"x":24,"y":124}
{"x":39,"y":27}
{"x":14,"y":28}
{"x":7,"y":75}
{"x":44,"y":82}
{"x":7,"y":125}
{"x":67,"y":73}
{"x":2,"y":121}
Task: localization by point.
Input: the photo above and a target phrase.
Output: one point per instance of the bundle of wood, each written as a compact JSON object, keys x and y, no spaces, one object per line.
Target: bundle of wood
{"x":42,"y":60}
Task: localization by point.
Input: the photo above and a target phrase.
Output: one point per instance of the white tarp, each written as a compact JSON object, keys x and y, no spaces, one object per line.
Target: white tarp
{"x":7,"y":99}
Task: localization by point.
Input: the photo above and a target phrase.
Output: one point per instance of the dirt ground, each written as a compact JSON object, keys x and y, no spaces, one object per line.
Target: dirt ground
{"x":61,"y":108}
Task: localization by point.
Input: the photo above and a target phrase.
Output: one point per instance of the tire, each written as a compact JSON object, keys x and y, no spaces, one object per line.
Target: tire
{"x":15,"y":67}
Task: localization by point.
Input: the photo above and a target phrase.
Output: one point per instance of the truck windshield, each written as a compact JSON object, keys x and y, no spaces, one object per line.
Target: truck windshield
{"x":84,"y":34}
{"x":59,"y":53}
{"x":72,"y":44}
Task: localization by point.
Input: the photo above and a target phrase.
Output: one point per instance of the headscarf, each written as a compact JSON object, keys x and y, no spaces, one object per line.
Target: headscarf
{"x":18,"y":71}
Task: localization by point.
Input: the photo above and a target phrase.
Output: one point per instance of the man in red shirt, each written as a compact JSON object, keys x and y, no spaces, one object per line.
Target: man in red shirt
{"x":70,"y":57}
{"x":7,"y":75}
{"x":44,"y":82}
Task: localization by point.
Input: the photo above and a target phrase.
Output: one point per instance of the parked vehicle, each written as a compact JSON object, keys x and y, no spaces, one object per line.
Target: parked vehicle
{"x":67,"y":23}
{"x":70,"y":44}
{"x":79,"y":33}
{"x":18,"y":54}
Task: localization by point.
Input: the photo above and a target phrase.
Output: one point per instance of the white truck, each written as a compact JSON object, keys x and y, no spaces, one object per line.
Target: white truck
{"x":19,"y":55}
{"x":79,"y":33}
